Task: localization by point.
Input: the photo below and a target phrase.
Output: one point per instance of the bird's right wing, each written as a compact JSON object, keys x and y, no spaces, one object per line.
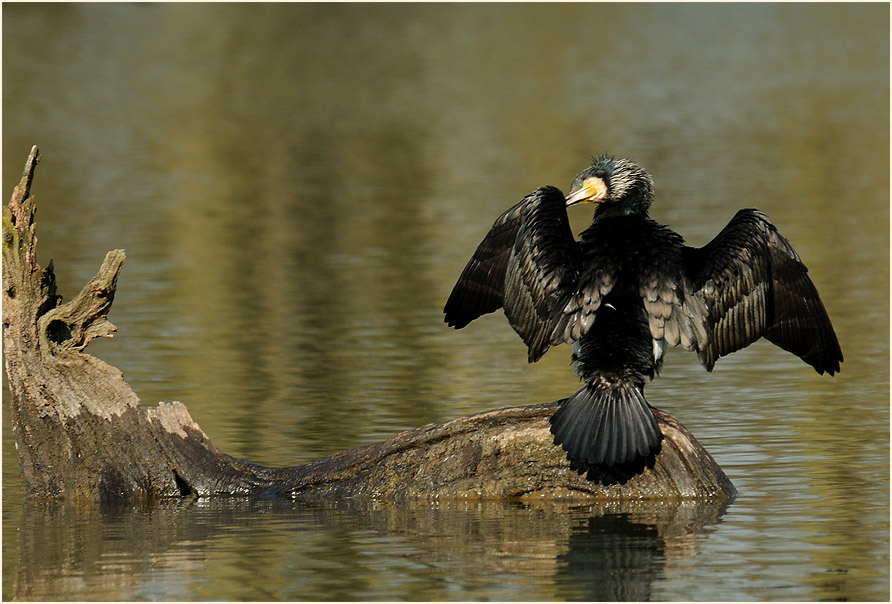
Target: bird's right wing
{"x":528,"y":264}
{"x":754,"y":284}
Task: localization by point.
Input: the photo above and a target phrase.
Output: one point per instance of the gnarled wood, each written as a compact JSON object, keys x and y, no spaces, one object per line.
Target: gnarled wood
{"x":82,"y":434}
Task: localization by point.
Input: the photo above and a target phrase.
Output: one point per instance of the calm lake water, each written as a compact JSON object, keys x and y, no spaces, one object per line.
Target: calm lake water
{"x":298,"y":187}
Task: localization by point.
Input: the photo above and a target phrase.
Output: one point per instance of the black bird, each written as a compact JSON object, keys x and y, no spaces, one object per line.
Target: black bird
{"x":627,"y":290}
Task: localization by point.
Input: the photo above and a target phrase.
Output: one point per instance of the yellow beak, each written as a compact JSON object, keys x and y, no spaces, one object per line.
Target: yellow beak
{"x":583,"y":193}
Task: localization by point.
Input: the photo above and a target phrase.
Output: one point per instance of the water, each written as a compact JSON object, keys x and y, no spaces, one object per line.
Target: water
{"x":298,"y":187}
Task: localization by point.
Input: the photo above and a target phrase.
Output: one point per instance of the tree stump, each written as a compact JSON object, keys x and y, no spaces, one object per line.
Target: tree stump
{"x":82,"y":435}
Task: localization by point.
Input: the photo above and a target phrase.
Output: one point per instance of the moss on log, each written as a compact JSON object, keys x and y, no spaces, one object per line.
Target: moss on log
{"x":82,"y":435}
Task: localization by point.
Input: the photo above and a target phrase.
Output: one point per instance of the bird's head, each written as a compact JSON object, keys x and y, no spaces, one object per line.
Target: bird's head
{"x":618,"y":186}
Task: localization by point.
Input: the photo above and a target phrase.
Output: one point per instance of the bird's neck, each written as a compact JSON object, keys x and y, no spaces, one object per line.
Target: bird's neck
{"x":612,"y":210}
{"x":615,"y":227}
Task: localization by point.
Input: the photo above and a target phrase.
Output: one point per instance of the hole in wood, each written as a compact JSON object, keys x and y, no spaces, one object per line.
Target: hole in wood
{"x":58,"y":331}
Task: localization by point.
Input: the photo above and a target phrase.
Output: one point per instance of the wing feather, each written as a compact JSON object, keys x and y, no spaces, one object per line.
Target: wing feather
{"x":595,"y":281}
{"x":527,"y":264}
{"x":753,"y":284}
{"x":480,"y":288}
{"x":676,"y":314}
{"x":543,"y":269}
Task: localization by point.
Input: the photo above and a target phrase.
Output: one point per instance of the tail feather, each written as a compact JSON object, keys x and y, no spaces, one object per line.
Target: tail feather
{"x":577,"y":424}
{"x":606,"y":424}
{"x":603,"y":440}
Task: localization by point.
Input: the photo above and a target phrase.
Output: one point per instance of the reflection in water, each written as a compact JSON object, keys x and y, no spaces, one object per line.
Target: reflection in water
{"x":194,"y":549}
{"x":613,"y":559}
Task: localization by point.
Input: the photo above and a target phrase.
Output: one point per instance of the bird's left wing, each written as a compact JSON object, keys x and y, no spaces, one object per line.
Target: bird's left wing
{"x":480,"y":288}
{"x":527,"y":264}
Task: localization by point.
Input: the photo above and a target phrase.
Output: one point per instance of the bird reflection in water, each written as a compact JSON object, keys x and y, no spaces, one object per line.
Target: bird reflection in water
{"x":612,"y":559}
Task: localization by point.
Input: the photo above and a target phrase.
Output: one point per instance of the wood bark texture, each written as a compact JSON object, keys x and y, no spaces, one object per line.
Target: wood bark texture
{"x":81,"y":433}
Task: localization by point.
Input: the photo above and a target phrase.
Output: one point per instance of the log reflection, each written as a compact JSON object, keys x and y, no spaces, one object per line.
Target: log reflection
{"x":322,"y":550}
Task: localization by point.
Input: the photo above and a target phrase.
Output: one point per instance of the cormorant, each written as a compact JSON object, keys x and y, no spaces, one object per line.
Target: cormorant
{"x":627,"y":290}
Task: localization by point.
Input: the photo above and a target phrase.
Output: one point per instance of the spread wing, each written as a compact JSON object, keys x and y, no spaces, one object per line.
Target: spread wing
{"x":527,"y":264}
{"x":481,"y":287}
{"x":754,"y":284}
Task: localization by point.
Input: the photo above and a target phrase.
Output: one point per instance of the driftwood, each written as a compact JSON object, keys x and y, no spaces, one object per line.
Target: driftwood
{"x":82,"y":435}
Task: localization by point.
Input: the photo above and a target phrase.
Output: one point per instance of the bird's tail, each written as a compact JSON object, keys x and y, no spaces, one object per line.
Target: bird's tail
{"x":605,"y":424}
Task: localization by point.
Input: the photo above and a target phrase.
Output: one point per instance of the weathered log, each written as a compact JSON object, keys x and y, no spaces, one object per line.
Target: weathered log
{"x":81,"y":433}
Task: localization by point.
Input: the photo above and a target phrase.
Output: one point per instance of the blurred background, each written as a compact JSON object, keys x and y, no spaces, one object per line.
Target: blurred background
{"x":298,"y":187}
